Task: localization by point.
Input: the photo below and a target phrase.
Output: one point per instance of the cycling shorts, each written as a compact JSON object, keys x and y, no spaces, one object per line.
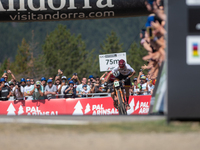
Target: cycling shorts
{"x":126,"y":83}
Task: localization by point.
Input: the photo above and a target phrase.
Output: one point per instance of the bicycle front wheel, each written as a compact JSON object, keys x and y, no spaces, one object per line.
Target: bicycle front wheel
{"x":121,"y":105}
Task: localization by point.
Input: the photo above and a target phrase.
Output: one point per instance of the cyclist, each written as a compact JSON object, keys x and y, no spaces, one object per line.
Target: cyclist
{"x":125,"y":72}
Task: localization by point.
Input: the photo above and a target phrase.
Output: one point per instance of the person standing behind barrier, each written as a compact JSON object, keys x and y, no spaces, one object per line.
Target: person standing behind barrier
{"x":18,"y":95}
{"x":43,"y":82}
{"x":50,"y":89}
{"x":5,"y":91}
{"x":28,"y":90}
{"x":70,"y":90}
{"x":135,"y":88}
{"x":96,"y":88}
{"x":75,"y":79}
{"x":32,"y":81}
{"x":11,"y":85}
{"x":38,"y":91}
{"x":85,"y":91}
{"x":62,"y":87}
{"x":80,"y":86}
{"x":23,"y":84}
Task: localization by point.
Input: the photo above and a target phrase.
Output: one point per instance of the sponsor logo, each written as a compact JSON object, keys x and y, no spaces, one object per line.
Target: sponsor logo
{"x":28,"y":111}
{"x":41,"y":5}
{"x":94,"y":110}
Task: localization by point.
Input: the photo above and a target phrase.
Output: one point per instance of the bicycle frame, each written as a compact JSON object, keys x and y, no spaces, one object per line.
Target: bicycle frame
{"x":120,"y":97}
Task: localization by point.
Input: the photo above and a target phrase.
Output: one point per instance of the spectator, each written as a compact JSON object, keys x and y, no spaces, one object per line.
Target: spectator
{"x":23,"y":84}
{"x":57,"y":82}
{"x":38,"y":91}
{"x":85,"y":91}
{"x":32,"y":81}
{"x":28,"y":90}
{"x":70,"y":90}
{"x":102,"y":86}
{"x":91,"y":79}
{"x":75,"y":79}
{"x":13,"y":81}
{"x":63,"y":86}
{"x":43,"y":82}
{"x":80,"y":86}
{"x":11,"y":85}
{"x":150,"y":87}
{"x":50,"y":89}
{"x":18,"y":95}
{"x":5,"y":91}
{"x":143,"y":85}
{"x":135,"y":88}
{"x":96,"y":88}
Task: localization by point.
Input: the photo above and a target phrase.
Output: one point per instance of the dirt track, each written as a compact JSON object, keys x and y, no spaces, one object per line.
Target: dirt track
{"x":59,"y":140}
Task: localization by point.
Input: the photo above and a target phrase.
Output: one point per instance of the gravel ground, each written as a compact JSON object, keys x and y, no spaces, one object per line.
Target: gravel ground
{"x":12,"y":137}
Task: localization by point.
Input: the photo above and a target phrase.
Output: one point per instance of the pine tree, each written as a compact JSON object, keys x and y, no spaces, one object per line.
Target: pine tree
{"x":22,"y":58}
{"x":67,"y":52}
{"x":111,"y":44}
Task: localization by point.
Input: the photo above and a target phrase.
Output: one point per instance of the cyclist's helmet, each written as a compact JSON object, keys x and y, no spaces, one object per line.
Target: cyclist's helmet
{"x":122,"y":63}
{"x":43,"y":79}
{"x":23,"y":80}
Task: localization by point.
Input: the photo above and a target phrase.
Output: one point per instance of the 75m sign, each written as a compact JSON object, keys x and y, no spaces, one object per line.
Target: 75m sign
{"x":109,"y":61}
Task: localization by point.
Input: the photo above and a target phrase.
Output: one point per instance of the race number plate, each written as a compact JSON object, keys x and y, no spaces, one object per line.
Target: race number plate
{"x":116,"y":83}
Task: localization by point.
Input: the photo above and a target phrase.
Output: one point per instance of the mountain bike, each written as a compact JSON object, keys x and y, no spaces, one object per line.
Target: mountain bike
{"x":118,"y":85}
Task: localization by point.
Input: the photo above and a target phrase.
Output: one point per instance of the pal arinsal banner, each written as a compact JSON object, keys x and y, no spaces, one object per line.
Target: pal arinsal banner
{"x":52,"y":10}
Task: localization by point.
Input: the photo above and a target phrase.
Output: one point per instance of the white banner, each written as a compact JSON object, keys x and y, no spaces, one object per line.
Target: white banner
{"x":109,"y":61}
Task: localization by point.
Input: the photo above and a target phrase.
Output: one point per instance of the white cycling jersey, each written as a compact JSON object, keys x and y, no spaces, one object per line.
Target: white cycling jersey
{"x":124,"y":71}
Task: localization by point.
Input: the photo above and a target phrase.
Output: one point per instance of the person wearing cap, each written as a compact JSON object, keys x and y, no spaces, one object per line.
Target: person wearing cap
{"x":38,"y":91}
{"x":43,"y":82}
{"x":23,"y":84}
{"x":75,"y":79}
{"x":5,"y":91}
{"x":50,"y":89}
{"x":91,"y":78}
{"x":143,"y":85}
{"x":28,"y":90}
{"x":85,"y":91}
{"x":70,"y":90}
{"x":63,"y":86}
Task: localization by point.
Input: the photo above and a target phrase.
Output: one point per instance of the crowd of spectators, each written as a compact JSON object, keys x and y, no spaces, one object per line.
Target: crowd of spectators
{"x":63,"y":87}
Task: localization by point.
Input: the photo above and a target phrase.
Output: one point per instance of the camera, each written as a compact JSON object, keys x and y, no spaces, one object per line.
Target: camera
{"x":150,"y":32}
{"x":143,"y":33}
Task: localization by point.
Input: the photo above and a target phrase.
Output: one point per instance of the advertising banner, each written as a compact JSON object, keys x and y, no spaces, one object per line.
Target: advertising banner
{"x":109,"y":61}
{"x":47,"y":10}
{"x":78,"y":106}
{"x":33,"y":107}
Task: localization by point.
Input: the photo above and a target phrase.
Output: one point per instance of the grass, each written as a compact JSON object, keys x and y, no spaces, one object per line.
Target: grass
{"x":126,"y":127}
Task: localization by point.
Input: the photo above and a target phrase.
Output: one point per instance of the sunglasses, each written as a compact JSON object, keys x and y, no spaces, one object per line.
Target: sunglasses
{"x":28,"y":80}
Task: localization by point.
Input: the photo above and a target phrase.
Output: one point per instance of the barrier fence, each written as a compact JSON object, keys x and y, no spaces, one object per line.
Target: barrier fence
{"x":73,"y":106}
